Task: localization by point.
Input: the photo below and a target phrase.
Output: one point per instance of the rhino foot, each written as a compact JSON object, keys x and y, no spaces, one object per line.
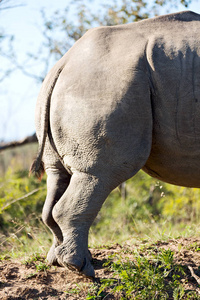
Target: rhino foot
{"x":83,"y":267}
{"x":51,"y":257}
{"x":73,"y":263}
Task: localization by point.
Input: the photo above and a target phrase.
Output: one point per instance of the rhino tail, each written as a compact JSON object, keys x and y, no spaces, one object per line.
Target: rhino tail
{"x":37,"y":167}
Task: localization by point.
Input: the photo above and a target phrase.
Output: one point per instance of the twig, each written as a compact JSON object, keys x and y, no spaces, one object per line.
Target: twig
{"x":21,"y":198}
{"x":7,"y":238}
{"x":9,"y":6}
{"x":194,"y":275}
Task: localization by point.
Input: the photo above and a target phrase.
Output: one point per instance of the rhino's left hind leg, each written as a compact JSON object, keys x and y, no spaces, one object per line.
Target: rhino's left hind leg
{"x":74,"y":213}
{"x":57,"y":183}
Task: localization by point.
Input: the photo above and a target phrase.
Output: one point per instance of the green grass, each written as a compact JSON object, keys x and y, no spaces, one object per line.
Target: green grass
{"x":32,"y":258}
{"x":152,"y":275}
{"x":38,"y":261}
{"x":152,"y":211}
{"x":144,"y":274}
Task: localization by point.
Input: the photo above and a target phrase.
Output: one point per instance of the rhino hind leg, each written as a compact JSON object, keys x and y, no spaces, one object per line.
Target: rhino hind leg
{"x":57,"y":182}
{"x":75,"y":213}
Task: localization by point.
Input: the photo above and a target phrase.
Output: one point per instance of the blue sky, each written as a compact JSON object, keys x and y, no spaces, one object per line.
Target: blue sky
{"x":18,"y":93}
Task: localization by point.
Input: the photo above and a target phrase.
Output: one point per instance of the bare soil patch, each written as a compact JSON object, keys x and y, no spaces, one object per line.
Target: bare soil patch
{"x":24,"y":281}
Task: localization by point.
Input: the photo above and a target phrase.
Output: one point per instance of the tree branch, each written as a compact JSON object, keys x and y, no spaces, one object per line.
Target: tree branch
{"x":2,"y":2}
{"x":26,"y":140}
{"x":21,"y":198}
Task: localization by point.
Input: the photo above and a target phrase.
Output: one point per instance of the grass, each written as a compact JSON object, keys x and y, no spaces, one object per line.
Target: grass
{"x":22,"y":246}
{"x":144,"y":274}
{"x":42,"y":266}
{"x":145,"y":277}
{"x":152,"y":275}
{"x":38,"y":261}
{"x":140,"y":231}
{"x":32,"y":258}
{"x":152,"y":211}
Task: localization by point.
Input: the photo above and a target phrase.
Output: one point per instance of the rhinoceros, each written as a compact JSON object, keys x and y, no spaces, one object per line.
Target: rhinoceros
{"x":123,"y":98}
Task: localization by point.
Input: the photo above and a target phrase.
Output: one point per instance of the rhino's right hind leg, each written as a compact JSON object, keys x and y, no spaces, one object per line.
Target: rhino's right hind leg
{"x":57,"y":182}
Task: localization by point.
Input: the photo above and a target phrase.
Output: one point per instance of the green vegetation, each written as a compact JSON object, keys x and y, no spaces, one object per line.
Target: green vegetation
{"x":172,"y":211}
{"x":36,"y":260}
{"x":151,"y":210}
{"x":152,"y":275}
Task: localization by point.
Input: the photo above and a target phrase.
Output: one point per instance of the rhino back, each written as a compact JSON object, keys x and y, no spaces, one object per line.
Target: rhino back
{"x":101,"y":108}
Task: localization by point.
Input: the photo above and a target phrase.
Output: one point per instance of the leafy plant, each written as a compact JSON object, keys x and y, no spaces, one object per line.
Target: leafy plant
{"x":150,"y":276}
{"x":33,"y":258}
{"x":41,"y":266}
{"x":38,"y":261}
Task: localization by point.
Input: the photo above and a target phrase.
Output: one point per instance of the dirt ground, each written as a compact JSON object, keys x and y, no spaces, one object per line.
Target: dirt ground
{"x":23,"y":281}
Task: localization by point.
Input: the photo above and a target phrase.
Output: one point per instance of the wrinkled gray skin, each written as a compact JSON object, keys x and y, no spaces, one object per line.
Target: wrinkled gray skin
{"x":123,"y":98}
